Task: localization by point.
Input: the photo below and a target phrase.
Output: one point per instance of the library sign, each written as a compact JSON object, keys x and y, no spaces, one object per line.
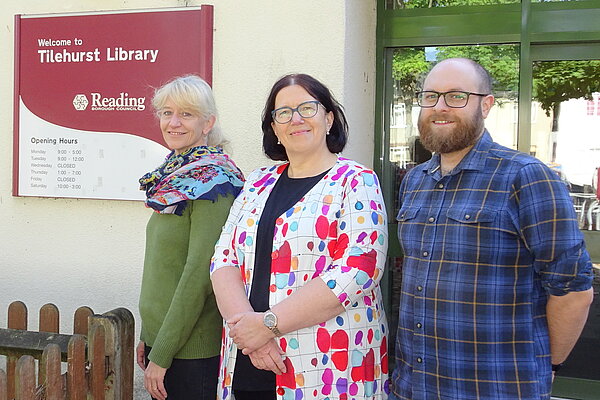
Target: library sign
{"x":84,"y":126}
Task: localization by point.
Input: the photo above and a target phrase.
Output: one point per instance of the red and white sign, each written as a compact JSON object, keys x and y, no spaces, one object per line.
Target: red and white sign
{"x":84,"y":122}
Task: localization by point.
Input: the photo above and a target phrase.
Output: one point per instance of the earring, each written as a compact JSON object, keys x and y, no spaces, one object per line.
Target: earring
{"x":278,"y":142}
{"x":327,"y":132}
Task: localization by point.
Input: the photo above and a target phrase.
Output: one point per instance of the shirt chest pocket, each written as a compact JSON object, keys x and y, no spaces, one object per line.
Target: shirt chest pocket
{"x":409,"y":229}
{"x":471,"y":234}
{"x":406,"y":214}
{"x":470,"y":216}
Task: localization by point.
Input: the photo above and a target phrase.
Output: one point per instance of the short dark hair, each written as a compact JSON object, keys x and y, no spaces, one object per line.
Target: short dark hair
{"x":338,"y":133}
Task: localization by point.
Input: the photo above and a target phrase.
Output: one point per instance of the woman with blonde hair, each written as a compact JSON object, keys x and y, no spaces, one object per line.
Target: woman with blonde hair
{"x":191,"y":193}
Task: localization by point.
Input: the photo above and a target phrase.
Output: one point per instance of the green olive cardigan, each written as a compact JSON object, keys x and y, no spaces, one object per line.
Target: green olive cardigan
{"x":177,"y":305}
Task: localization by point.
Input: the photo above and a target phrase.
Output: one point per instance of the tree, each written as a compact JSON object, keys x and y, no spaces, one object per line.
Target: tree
{"x":408,"y":67}
{"x":558,"y":81}
{"x":502,"y":62}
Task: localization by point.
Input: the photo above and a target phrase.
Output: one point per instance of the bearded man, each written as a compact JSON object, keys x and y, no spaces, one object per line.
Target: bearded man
{"x":496,"y":280}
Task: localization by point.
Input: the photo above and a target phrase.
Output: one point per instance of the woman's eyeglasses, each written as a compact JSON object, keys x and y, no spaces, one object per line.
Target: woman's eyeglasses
{"x":308,"y":109}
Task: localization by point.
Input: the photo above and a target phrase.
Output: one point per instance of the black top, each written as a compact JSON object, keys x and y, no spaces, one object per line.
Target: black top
{"x":285,"y":194}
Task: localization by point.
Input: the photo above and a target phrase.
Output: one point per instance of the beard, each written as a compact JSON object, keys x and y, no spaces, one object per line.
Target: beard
{"x":465,"y":133}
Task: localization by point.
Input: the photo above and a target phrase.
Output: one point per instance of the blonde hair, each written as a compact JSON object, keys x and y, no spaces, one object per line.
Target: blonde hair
{"x":192,"y":93}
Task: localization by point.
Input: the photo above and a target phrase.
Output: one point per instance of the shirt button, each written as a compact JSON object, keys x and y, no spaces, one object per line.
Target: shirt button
{"x":467,"y":216}
{"x":419,"y":288}
{"x":441,"y":186}
{"x":419,"y":325}
{"x":431,"y":219}
{"x":425,"y":254}
{"x":419,"y":360}
{"x":403,"y":215}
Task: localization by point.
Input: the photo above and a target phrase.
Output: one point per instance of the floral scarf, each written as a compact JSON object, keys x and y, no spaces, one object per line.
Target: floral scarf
{"x":200,"y":173}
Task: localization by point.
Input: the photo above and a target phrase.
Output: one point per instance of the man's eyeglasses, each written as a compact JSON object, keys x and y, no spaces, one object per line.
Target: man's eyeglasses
{"x":308,"y":109}
{"x":453,"y":99}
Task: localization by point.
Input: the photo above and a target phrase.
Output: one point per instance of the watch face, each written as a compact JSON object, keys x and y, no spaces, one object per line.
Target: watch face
{"x":270,"y":320}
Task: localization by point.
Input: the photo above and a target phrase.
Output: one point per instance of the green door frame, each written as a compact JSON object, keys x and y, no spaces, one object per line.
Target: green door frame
{"x":563,"y":30}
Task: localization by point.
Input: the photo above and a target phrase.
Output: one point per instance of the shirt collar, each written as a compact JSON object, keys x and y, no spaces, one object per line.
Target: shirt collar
{"x":474,"y":160}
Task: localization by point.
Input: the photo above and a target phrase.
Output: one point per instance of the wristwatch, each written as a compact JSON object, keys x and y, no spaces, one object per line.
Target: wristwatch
{"x":270,"y":321}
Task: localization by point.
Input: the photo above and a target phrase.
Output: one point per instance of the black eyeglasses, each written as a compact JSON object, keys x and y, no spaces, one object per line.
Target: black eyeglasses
{"x":453,"y":99}
{"x":308,"y":109}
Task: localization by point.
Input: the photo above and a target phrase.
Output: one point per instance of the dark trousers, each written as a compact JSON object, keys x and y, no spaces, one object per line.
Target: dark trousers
{"x":251,"y":395}
{"x":191,"y":379}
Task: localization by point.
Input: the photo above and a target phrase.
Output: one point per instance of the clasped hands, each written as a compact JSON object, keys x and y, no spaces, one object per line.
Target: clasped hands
{"x":256,"y":341}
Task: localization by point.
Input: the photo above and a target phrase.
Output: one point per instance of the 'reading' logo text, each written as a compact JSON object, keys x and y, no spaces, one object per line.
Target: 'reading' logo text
{"x":97,"y":102}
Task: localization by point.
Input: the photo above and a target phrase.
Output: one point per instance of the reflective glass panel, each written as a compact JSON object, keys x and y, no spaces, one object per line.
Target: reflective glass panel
{"x":565,"y":134}
{"x":409,"y":67}
{"x":565,"y":130}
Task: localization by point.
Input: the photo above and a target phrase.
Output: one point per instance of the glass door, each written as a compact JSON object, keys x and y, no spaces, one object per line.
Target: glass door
{"x":563,"y":131}
{"x":413,"y":34}
{"x":565,"y":134}
{"x":407,"y":67}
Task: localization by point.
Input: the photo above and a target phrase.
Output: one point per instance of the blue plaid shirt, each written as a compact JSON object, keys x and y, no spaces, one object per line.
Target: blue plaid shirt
{"x":483,"y":247}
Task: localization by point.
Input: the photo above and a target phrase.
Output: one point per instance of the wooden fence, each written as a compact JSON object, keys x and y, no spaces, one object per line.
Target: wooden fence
{"x":99,"y":356}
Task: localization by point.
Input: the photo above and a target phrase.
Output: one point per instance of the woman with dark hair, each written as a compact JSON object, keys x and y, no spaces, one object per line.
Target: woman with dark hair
{"x":337,"y":134}
{"x":297,"y":267}
{"x":191,"y":192}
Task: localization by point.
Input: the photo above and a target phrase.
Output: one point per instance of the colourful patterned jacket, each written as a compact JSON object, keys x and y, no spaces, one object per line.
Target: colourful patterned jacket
{"x":337,"y":231}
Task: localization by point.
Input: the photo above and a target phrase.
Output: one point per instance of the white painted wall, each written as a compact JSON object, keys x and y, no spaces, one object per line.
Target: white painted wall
{"x":358,"y":95}
{"x":90,"y":252}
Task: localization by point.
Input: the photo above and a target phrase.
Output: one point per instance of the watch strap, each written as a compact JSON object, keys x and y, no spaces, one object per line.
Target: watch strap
{"x":557,"y":367}
{"x":275,"y":330}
